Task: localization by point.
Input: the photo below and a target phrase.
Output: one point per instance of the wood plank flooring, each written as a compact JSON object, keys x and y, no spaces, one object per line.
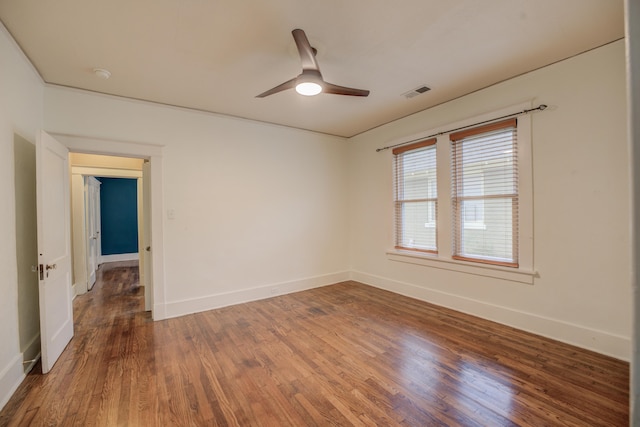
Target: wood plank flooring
{"x":341,"y":355}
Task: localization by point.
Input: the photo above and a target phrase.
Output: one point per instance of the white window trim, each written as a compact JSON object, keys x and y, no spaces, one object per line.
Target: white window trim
{"x":525,"y":272}
{"x":477,"y":269}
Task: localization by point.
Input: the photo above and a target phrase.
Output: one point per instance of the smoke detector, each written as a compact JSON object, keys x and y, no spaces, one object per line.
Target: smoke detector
{"x":102,"y":73}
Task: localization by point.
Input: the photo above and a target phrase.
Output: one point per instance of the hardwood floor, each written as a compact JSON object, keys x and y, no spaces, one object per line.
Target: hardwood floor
{"x":341,"y":355}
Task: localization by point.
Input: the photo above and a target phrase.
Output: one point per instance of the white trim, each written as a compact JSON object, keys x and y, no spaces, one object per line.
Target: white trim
{"x":10,"y":379}
{"x":224,"y":299}
{"x":118,"y":257}
{"x":159,"y":291}
{"x":153,"y":152}
{"x":31,"y":353}
{"x":109,"y":147}
{"x":28,"y":367}
{"x":478,"y":269}
{"x":591,"y":339}
{"x":79,"y":261}
{"x":16,"y":371}
{"x":632,"y":37}
{"x":106,"y":172}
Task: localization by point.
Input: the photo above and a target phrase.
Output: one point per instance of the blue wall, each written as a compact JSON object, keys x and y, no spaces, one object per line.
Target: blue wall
{"x":119,"y":215}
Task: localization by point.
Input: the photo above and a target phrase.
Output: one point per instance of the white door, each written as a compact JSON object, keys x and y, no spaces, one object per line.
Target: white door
{"x":54,"y":248}
{"x":92,"y":215}
{"x":145,"y":250}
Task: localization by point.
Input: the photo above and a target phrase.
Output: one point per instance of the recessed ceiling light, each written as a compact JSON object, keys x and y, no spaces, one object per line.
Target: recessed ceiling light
{"x":102,"y":73}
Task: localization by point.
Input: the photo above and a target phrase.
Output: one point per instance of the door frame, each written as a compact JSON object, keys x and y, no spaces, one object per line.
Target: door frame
{"x":79,"y":175}
{"x":153,"y":153}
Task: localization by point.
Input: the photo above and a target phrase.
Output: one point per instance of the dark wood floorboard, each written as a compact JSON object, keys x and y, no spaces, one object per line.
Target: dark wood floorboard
{"x":341,"y":355}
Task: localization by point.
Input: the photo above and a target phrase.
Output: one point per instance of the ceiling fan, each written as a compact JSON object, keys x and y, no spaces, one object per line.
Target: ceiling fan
{"x":310,"y":81}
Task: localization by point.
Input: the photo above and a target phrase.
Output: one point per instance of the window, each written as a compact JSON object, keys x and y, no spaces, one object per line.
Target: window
{"x":416,"y":196}
{"x":484,"y":194}
{"x":474,"y":214}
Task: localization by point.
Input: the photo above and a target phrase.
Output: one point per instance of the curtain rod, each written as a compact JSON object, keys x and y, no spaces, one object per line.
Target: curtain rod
{"x":539,"y":107}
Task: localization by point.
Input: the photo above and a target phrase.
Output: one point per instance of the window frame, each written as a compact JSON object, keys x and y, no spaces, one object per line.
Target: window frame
{"x":524,"y":272}
{"x":456,"y":139}
{"x":400,"y":202}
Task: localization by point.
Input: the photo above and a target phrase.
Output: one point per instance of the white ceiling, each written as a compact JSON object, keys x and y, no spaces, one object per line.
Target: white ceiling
{"x":217,"y":55}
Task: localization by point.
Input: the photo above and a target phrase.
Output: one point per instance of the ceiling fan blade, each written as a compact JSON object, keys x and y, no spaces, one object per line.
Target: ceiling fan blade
{"x":307,"y":55}
{"x":290,"y":84}
{"x":342,"y":90}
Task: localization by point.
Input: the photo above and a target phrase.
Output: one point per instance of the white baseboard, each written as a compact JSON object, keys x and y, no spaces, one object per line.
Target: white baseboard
{"x":10,"y":378}
{"x":31,"y":353}
{"x":181,"y":308}
{"x":118,"y":257}
{"x":78,"y":289}
{"x":580,"y":336}
{"x":158,"y":312}
{"x":15,"y":372}
{"x":32,"y":363}
{"x":74,"y":290}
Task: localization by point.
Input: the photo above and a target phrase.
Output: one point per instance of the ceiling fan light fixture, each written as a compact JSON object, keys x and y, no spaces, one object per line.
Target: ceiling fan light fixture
{"x":308,"y":88}
{"x":310,"y":82}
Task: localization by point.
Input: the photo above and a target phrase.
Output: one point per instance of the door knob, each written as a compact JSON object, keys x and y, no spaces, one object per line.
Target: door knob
{"x":51,"y":266}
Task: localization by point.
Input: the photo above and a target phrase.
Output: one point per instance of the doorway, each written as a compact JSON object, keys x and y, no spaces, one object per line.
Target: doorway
{"x":153,"y":246}
{"x":54,"y":232}
{"x":121,"y":180}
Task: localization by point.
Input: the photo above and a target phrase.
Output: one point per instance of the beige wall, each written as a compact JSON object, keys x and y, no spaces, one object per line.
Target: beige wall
{"x":26,"y":247}
{"x":21,"y":106}
{"x":256,"y":209}
{"x":581,"y":208}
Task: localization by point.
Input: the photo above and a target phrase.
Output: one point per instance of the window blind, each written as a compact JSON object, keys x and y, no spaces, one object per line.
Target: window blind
{"x":416,"y":196}
{"x":485,"y":193}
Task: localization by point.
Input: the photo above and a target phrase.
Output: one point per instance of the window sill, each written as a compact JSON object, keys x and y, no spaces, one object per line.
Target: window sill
{"x":435,"y":261}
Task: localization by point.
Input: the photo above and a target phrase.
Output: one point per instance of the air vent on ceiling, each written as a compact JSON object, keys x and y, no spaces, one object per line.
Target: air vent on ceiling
{"x":417,"y":91}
